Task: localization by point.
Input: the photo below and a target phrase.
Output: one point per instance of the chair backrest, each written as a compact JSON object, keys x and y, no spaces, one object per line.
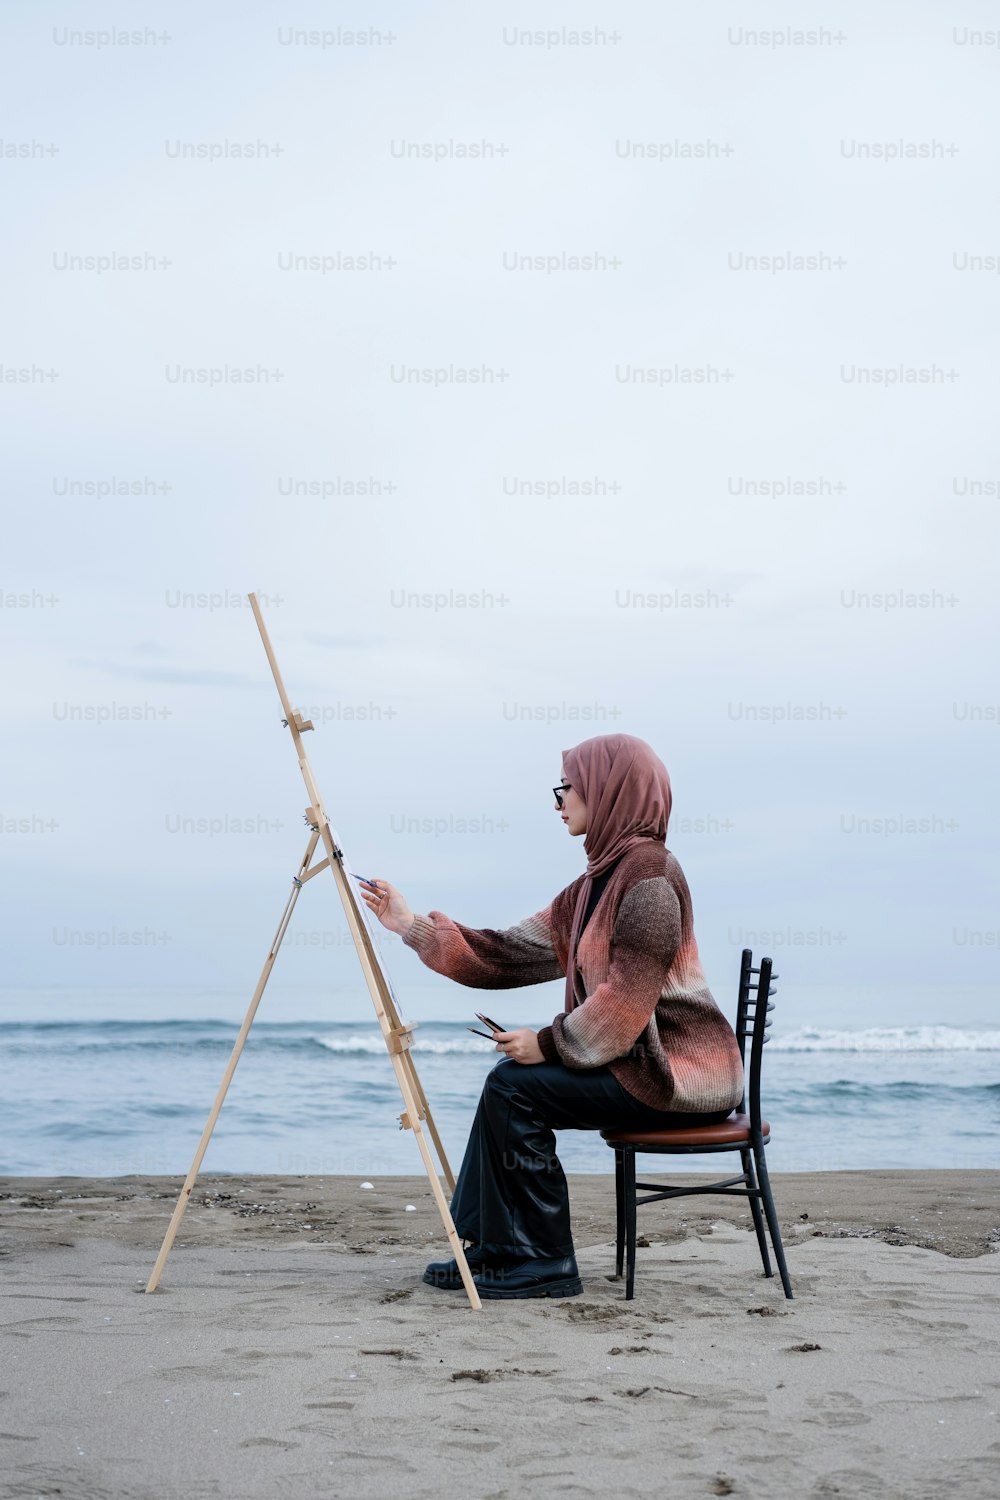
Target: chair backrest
{"x":753,"y":1020}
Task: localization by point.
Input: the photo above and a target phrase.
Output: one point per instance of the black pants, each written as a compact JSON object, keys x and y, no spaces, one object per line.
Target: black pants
{"x":510,"y":1195}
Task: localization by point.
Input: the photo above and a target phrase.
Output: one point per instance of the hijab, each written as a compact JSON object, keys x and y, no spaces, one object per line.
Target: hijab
{"x":627,"y":791}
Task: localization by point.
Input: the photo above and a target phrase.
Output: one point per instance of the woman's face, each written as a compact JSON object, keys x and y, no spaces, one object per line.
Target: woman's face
{"x":574,"y":810}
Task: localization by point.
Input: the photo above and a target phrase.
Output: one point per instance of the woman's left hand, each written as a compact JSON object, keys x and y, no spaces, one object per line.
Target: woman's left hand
{"x":521,"y":1045}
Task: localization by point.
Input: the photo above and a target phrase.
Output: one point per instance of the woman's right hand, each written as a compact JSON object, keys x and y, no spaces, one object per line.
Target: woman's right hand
{"x":388,"y":904}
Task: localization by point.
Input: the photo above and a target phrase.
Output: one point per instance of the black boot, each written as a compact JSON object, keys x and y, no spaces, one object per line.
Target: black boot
{"x":531,"y":1278}
{"x":445,"y":1273}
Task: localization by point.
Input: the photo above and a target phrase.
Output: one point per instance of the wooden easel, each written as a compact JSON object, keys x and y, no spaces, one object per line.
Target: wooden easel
{"x":397,"y":1034}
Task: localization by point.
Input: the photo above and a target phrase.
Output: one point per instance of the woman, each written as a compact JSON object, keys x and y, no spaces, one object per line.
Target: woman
{"x":641,"y":1043}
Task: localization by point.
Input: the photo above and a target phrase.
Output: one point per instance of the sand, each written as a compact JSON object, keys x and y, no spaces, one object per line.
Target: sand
{"x":292,"y":1350}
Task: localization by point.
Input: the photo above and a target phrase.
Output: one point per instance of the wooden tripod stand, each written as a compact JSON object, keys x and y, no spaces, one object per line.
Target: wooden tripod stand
{"x":397,"y":1034}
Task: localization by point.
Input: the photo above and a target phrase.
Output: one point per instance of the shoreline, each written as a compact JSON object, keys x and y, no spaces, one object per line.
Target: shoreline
{"x":955,"y":1212}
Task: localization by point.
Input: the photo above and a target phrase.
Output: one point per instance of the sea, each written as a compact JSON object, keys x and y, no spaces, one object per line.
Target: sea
{"x":110,"y":1083}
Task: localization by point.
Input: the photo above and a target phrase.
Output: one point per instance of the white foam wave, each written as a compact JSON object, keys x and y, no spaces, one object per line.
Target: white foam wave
{"x":805,"y":1039}
{"x":888,"y":1039}
{"x":375,"y":1044}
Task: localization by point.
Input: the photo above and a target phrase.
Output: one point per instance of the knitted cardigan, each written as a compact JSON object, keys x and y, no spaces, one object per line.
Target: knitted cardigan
{"x":642,"y":1006}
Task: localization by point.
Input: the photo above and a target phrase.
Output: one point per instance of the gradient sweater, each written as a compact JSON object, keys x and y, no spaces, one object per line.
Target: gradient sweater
{"x":641,"y":1003}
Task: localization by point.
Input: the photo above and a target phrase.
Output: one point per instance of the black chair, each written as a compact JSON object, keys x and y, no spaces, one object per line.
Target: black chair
{"x":746,"y":1133}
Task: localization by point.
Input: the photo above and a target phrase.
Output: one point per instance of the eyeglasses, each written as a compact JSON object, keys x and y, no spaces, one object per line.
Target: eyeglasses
{"x":563,"y":786}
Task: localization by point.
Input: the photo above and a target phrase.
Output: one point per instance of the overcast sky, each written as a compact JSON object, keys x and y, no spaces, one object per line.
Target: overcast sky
{"x":776,"y":373}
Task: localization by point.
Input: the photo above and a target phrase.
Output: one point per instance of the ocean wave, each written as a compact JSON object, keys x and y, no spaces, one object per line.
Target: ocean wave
{"x":888,"y":1039}
{"x":438,"y":1046}
{"x":881,"y":1089}
{"x":432,"y":1039}
{"x":806,"y":1039}
{"x":190,"y":1038}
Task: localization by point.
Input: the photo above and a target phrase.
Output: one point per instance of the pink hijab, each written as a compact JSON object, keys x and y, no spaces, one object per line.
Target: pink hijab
{"x":627,"y":791}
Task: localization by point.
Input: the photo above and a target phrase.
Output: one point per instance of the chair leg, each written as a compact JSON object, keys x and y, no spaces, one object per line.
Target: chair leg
{"x":772,"y":1220}
{"x":629,"y":1174}
{"x":758,"y":1217}
{"x":619,"y":1212}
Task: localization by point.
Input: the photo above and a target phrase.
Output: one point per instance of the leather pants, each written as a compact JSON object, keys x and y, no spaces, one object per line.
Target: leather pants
{"x":510,"y":1195}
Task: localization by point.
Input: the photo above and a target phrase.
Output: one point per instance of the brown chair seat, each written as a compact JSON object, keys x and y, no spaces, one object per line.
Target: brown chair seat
{"x":729,"y":1132}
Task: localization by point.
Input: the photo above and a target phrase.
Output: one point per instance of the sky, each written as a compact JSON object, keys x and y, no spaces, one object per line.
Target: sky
{"x":543,"y":382}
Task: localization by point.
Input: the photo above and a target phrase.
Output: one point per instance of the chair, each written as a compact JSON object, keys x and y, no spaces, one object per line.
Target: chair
{"x":746,"y":1133}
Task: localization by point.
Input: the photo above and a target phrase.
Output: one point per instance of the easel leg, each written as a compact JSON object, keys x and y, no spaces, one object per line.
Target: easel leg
{"x":425,"y":1113}
{"x":403,"y":1075}
{"x":189,"y":1181}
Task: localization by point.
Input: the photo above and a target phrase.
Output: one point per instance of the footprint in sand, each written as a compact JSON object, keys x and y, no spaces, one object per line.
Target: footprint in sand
{"x":321,"y":1429}
{"x":268,"y":1353}
{"x":220,"y":1372}
{"x":35,"y":1297}
{"x":589,"y":1312}
{"x":857,"y":1483}
{"x":59,"y":1320}
{"x":837,"y":1409}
